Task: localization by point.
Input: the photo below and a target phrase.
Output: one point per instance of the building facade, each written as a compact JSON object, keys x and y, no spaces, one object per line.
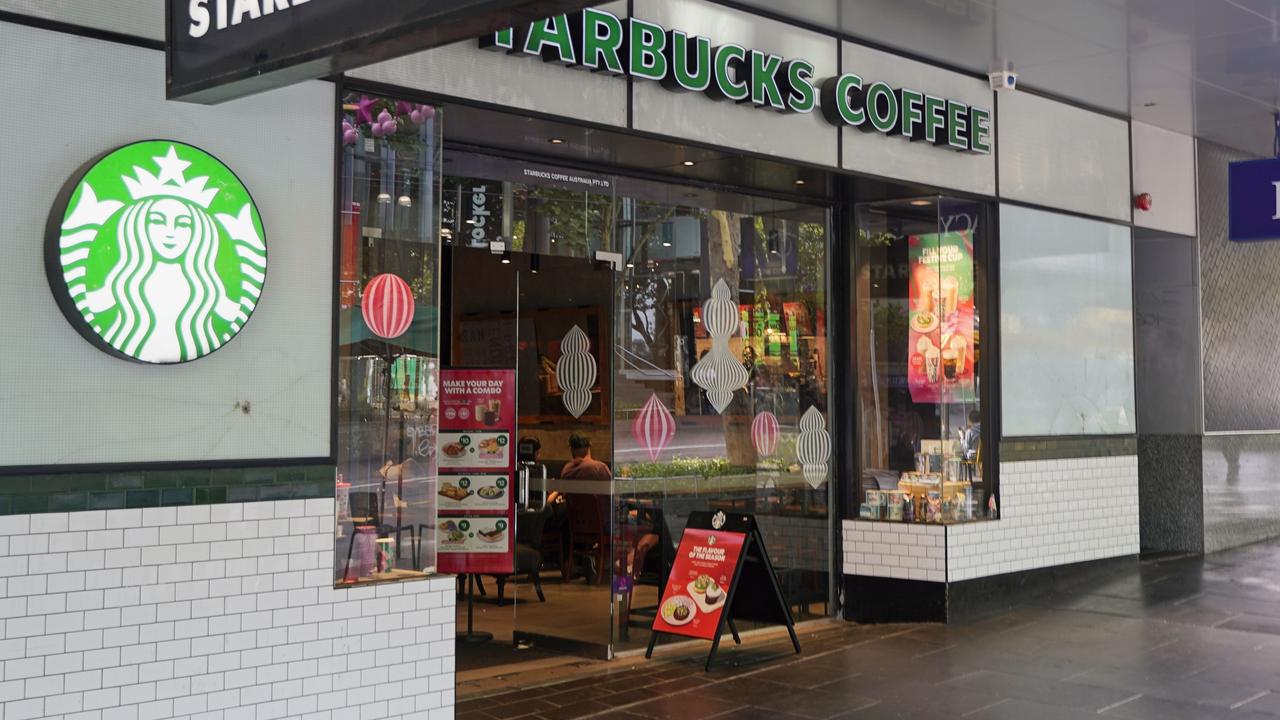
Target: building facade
{"x":751,"y":263}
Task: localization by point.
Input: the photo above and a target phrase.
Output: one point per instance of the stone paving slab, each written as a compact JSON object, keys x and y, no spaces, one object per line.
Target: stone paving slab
{"x":1168,"y":639}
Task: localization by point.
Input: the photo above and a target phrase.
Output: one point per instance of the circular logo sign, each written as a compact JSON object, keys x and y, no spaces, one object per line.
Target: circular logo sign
{"x":156,"y":253}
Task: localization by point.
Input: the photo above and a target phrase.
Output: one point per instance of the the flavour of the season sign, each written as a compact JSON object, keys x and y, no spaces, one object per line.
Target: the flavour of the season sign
{"x":698,"y":586}
{"x":600,"y":41}
{"x":156,"y":253}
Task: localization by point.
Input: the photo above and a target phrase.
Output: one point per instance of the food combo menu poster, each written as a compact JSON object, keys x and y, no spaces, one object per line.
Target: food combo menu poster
{"x":941,"y":344}
{"x":698,"y":587}
{"x":474,"y":532}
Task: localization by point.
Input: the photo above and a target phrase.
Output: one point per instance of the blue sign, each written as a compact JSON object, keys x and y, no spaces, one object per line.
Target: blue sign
{"x":1253,"y":200}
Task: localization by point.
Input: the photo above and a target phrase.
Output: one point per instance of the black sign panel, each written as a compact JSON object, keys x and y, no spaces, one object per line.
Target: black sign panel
{"x":224,"y":49}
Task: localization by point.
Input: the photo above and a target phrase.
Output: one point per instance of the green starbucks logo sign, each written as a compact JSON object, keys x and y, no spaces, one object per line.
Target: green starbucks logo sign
{"x":156,"y":252}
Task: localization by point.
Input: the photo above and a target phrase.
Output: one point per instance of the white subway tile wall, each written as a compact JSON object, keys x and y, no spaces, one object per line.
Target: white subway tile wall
{"x":216,"y":612}
{"x":895,"y":550}
{"x":1055,"y":512}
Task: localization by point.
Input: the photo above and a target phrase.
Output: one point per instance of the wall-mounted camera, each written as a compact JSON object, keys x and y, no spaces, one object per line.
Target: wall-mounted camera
{"x":1003,"y":78}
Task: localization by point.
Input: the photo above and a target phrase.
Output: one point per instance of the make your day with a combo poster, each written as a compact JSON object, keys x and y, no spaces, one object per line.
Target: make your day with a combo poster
{"x":721,"y":573}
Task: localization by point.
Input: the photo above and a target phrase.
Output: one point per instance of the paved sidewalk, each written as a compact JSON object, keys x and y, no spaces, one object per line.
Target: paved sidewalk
{"x":1177,"y":639}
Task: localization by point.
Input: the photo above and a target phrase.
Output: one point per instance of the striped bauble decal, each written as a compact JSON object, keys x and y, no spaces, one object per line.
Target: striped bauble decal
{"x":719,"y":372}
{"x":575,"y":371}
{"x":654,"y":427}
{"x":387,"y":306}
{"x":764,"y":433}
{"x":813,"y":446}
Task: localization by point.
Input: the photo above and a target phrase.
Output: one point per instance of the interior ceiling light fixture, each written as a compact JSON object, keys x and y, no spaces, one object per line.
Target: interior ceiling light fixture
{"x":687,"y":163}
{"x":506,"y":258}
{"x":921,"y":203}
{"x":556,"y":141}
{"x":799,"y":182}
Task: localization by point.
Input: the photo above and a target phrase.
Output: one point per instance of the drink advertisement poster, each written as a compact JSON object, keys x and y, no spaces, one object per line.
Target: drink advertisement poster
{"x":698,"y":587}
{"x":476,"y":454}
{"x":940,"y":367}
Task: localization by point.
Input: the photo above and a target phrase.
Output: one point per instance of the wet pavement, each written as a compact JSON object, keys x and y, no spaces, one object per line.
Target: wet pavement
{"x":1168,"y":639}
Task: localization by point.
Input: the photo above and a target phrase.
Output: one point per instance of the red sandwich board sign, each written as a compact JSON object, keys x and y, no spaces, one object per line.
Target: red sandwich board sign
{"x":721,"y":573}
{"x":475,"y":532}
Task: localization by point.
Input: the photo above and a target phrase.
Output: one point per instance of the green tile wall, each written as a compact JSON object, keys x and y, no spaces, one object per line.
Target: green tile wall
{"x":25,"y":494}
{"x":1063,"y":448}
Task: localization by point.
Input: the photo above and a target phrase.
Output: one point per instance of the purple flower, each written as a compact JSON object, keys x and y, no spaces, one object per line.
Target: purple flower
{"x":364,"y":109}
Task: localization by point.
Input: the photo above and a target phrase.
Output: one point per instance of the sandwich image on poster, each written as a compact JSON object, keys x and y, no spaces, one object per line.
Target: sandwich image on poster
{"x":474,"y":492}
{"x":472,"y":535}
{"x":474,"y":450}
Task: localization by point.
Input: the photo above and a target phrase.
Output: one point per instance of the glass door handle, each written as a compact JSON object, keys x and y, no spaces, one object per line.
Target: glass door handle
{"x":523,"y":479}
{"x":544,"y":487}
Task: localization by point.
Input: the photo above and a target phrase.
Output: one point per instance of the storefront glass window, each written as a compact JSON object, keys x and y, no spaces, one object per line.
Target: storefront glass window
{"x":919,"y":313}
{"x":387,"y":340}
{"x":721,"y":384}
{"x":703,"y":349}
{"x":1066,"y":283}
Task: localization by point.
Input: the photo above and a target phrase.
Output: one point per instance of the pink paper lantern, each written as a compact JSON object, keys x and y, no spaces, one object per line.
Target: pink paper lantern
{"x":654,"y":427}
{"x":764,"y":433}
{"x":387,"y":306}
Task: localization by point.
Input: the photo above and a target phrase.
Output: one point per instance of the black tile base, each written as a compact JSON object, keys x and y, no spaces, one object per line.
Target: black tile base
{"x":890,"y":600}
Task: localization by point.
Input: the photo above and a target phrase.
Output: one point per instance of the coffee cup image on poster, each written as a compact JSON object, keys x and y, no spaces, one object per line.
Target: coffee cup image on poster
{"x":942,"y":325}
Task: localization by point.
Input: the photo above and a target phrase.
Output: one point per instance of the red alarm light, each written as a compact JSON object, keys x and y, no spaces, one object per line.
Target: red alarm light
{"x":1142,"y":201}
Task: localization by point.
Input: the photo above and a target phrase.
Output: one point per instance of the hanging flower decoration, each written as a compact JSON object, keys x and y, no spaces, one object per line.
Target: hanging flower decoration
{"x":813,"y":446}
{"x":764,"y":433}
{"x":374,"y":117}
{"x":719,"y":372}
{"x":387,"y":306}
{"x":654,"y":427}
{"x":386,"y":125}
{"x":422,"y":113}
{"x":575,"y":371}
{"x":364,"y":110}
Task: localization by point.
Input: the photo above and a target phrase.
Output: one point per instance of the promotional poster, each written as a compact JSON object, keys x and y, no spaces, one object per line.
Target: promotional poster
{"x":940,"y":368}
{"x":698,"y":587}
{"x":476,"y":458}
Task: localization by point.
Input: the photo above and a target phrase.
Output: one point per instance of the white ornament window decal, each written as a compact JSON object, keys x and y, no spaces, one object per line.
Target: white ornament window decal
{"x":813,"y":446}
{"x":719,"y":372}
{"x":575,"y":371}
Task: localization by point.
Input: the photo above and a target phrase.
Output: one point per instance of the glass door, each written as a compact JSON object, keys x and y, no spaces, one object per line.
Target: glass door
{"x":565,"y":530}
{"x":548,"y":318}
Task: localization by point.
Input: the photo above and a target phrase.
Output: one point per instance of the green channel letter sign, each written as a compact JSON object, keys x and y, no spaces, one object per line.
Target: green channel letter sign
{"x":156,"y":253}
{"x":600,"y":41}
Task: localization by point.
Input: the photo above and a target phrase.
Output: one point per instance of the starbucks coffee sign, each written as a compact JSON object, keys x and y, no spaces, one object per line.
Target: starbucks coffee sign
{"x":156,"y":253}
{"x":600,"y":41}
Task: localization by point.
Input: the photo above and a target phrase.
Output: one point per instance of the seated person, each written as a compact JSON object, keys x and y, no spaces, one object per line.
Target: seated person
{"x":583,"y":466}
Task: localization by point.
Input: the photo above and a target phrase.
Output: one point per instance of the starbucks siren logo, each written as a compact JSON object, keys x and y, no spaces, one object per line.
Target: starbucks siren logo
{"x":156,"y":253}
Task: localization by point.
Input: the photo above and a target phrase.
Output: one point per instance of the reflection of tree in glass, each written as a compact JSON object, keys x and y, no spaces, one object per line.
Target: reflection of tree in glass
{"x":651,"y":310}
{"x":575,"y":222}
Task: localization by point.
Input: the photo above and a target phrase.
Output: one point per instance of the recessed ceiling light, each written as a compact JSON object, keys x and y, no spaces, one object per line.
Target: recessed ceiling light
{"x":666,"y":243}
{"x":921,"y":203}
{"x":799,"y":182}
{"x":556,"y":141}
{"x":687,"y":163}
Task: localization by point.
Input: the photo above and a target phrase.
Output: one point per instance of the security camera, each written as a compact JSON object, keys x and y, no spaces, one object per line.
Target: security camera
{"x":1003,"y":78}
